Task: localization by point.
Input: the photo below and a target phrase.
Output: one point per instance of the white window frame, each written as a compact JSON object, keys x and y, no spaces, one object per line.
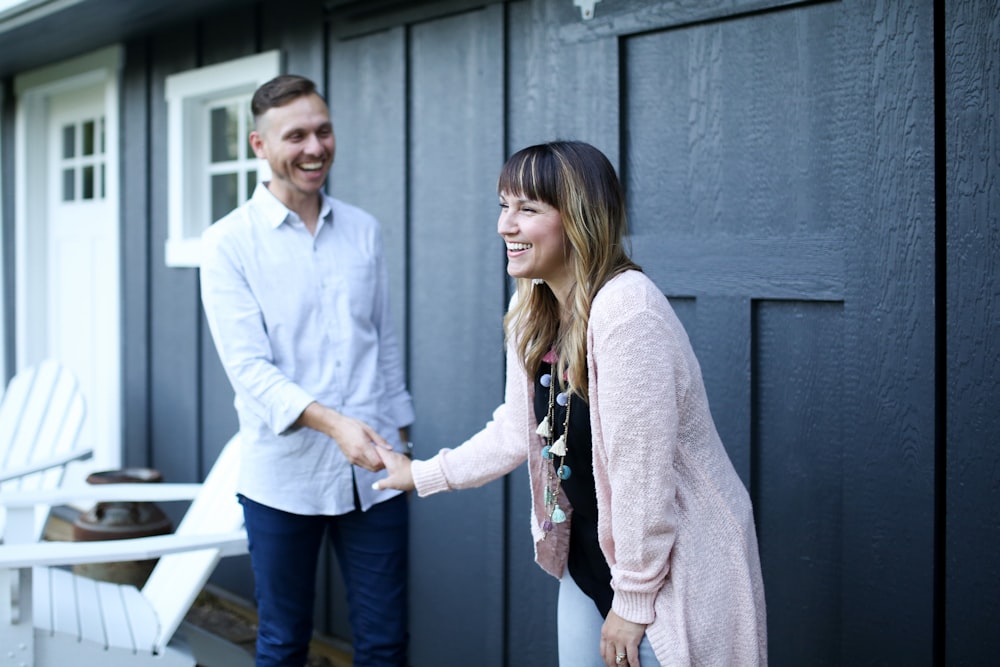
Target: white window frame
{"x":188,"y":95}
{"x":3,"y":273}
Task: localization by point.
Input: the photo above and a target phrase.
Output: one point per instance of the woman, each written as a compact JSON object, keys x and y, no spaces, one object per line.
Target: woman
{"x":636,"y":506}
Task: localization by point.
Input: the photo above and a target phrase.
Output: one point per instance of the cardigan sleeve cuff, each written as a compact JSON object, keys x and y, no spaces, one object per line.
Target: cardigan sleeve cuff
{"x":635,"y":606}
{"x":428,"y":476}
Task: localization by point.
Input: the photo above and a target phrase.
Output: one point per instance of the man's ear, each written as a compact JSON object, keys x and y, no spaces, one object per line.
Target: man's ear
{"x":257,"y":144}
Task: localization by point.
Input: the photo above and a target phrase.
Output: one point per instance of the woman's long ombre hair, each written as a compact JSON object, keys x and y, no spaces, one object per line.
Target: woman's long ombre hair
{"x":577,"y":180}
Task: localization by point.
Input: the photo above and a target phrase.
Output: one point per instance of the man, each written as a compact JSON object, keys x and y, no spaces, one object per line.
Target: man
{"x":294,"y":288}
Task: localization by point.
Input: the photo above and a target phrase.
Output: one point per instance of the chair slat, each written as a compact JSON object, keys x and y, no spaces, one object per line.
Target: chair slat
{"x":64,"y":415}
{"x":65,"y":606}
{"x":44,"y":395}
{"x":16,"y":405}
{"x":11,"y":411}
{"x":116,"y":622}
{"x":145,"y":625}
{"x":41,"y":416}
{"x":89,"y":609}
{"x":32,"y":416}
{"x":41,"y":598}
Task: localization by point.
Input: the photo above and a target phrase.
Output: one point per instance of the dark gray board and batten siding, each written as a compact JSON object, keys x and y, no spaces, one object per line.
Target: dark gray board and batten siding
{"x":779,"y":159}
{"x":752,"y":169}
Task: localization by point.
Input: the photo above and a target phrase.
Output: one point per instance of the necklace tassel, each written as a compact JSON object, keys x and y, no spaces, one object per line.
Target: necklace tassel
{"x":558,"y":448}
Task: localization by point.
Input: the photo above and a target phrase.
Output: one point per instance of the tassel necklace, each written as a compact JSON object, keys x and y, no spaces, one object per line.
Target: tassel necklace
{"x":556,"y":448}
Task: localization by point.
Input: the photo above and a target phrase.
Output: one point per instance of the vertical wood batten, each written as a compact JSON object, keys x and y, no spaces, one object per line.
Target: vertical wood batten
{"x":367,"y":99}
{"x":368,"y":104}
{"x":136,"y":260}
{"x":888,"y":548}
{"x":557,"y":89}
{"x":971,"y":607}
{"x":175,"y":306}
{"x":456,"y":143}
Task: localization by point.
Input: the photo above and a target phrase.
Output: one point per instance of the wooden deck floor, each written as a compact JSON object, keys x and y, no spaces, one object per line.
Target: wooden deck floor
{"x":236,"y":622}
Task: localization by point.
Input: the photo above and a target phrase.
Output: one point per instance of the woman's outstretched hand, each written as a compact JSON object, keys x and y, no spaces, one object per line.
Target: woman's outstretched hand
{"x":398,"y":466}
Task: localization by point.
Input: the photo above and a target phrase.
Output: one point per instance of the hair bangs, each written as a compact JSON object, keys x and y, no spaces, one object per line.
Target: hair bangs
{"x":532,"y":173}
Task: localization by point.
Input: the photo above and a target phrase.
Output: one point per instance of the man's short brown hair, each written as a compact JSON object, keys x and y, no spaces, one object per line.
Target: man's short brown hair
{"x":279,"y":91}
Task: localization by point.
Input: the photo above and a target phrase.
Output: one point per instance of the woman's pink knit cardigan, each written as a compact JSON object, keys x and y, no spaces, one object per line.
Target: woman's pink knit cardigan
{"x":675,"y":522}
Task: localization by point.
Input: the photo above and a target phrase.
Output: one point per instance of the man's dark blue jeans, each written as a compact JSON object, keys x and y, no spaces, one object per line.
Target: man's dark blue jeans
{"x":371,"y":549}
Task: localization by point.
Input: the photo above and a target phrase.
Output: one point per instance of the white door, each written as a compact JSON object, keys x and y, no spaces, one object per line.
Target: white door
{"x":81,"y":312}
{"x":67,"y":281}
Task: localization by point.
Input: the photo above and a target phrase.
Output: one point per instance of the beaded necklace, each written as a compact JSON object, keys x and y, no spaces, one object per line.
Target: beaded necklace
{"x":556,"y":474}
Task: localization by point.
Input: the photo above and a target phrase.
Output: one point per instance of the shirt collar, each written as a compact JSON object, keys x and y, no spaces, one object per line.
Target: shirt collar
{"x":274,"y":212}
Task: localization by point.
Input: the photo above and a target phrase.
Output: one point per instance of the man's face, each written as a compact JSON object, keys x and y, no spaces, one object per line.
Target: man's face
{"x":298,"y":143}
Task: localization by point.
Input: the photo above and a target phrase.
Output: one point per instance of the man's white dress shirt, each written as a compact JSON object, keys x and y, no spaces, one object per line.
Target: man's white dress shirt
{"x":298,"y":318}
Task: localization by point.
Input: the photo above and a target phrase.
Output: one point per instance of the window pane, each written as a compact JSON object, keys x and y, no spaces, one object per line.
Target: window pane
{"x":88,"y":138}
{"x":224,"y":195}
{"x":251,"y":182}
{"x":69,"y":184}
{"x":88,"y":182}
{"x":224,"y":133}
{"x":69,"y":141}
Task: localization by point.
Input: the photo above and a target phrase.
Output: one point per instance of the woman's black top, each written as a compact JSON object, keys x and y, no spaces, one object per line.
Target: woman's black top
{"x":586,"y":563}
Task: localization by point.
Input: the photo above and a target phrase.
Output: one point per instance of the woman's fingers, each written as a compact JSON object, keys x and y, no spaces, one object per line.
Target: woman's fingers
{"x":400,"y":476}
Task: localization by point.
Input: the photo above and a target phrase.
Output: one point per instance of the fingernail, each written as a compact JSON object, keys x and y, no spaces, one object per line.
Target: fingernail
{"x":376,"y":486}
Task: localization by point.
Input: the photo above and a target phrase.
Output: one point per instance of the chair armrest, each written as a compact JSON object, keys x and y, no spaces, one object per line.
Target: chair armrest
{"x":24,"y":506}
{"x":34,"y":554}
{"x":8,"y":474}
{"x":152,"y":493}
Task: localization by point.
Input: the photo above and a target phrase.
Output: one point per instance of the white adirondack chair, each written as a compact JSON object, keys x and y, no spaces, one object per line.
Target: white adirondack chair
{"x":51,"y":617}
{"x":41,"y":414}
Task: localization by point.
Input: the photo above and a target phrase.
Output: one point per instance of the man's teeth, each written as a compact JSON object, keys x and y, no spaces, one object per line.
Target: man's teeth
{"x":518,"y":246}
{"x":311,"y":166}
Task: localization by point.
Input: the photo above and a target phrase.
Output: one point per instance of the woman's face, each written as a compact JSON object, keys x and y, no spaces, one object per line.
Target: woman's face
{"x":537,"y":246}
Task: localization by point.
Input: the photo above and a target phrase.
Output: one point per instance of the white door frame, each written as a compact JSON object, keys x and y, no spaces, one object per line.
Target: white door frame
{"x":33,"y":91}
